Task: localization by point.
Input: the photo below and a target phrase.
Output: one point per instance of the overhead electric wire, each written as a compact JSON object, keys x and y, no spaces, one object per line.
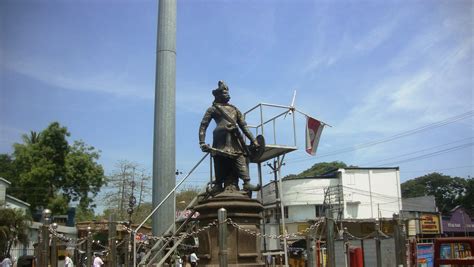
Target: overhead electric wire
{"x":414,"y":152}
{"x":443,"y":169}
{"x":393,"y":137}
{"x":429,"y":155}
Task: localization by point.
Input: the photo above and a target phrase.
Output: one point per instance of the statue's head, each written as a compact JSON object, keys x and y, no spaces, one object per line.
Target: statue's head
{"x":221,"y":93}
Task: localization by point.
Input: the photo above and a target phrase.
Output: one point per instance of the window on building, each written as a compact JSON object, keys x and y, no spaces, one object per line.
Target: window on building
{"x":319,"y":210}
{"x":286,"y":212}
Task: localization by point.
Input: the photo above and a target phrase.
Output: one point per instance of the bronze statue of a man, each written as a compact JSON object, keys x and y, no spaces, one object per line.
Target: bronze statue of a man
{"x":228,"y":148}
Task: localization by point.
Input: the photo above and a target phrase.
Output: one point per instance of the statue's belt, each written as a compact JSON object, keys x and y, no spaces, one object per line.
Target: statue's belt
{"x":220,"y":152}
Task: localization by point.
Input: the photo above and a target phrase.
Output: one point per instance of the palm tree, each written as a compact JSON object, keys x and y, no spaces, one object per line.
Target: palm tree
{"x":14,"y":224}
{"x":33,"y":138}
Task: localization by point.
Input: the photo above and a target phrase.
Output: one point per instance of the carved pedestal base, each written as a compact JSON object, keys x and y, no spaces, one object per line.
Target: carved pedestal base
{"x":243,"y":248}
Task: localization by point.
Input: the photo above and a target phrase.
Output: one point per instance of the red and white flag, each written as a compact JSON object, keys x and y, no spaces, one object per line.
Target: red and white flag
{"x":313,"y":133}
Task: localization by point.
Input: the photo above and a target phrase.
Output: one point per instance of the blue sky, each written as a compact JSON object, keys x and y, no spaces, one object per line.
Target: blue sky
{"x":371,"y":69}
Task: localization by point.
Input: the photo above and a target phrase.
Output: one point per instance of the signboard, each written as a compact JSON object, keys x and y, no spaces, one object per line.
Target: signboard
{"x":429,"y":223}
{"x":303,"y":227}
{"x":459,"y":222}
{"x":412,"y":228}
{"x":424,"y":254}
{"x":183,"y":214}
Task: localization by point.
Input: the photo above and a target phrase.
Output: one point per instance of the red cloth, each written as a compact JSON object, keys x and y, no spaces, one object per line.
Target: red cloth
{"x":313,"y":133}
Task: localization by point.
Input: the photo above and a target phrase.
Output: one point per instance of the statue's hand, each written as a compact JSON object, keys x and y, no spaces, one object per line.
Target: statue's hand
{"x":255,"y":143}
{"x":205,"y":148}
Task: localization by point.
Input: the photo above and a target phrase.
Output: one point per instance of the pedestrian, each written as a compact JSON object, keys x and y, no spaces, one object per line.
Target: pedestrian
{"x":193,"y":259}
{"x":6,"y":262}
{"x":178,"y":261}
{"x":68,"y":261}
{"x":97,"y":261}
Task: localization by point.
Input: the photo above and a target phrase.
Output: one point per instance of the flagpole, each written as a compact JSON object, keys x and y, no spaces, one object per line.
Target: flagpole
{"x":325,"y":124}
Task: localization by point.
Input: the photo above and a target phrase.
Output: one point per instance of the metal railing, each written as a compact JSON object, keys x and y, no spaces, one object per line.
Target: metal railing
{"x":134,"y":231}
{"x":260,"y":127}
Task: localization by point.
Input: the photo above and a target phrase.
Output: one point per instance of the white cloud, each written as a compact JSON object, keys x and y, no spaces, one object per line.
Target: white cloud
{"x":429,"y":80}
{"x":410,"y":92}
{"x":407,"y":100}
{"x":117,"y":84}
{"x":331,"y":50}
{"x":376,"y":36}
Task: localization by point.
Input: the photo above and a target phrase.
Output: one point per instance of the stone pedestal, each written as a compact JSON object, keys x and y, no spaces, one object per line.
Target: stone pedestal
{"x":243,"y":249}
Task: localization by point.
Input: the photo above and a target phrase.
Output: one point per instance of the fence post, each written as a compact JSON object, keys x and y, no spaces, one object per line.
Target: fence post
{"x":378,"y":250}
{"x":112,"y":243}
{"x":309,"y":248}
{"x":54,"y":248}
{"x":45,"y":237}
{"x":345,"y":236}
{"x":126,"y":244}
{"x":89,"y":246}
{"x":222,"y":216}
{"x":399,"y":238}
{"x":331,"y":253}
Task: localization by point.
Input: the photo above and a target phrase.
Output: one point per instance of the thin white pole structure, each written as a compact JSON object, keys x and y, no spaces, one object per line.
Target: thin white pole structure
{"x":282,"y":208}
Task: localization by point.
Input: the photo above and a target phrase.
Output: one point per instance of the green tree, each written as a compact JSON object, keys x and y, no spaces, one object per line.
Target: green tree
{"x":48,"y":172}
{"x":84,"y":176}
{"x":14,"y":224}
{"x":185,"y":196}
{"x":448,"y":191}
{"x":7,"y":169}
{"x":33,"y":138}
{"x":467,"y":200}
{"x":319,"y":169}
{"x":85,"y":215}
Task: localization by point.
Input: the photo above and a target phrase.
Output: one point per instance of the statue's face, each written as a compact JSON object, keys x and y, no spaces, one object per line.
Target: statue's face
{"x":224,"y":97}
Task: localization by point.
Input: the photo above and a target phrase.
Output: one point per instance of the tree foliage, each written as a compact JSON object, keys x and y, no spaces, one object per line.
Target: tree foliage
{"x":185,"y":196}
{"x":14,"y":224}
{"x":467,"y":200}
{"x":84,"y":177}
{"x":127,"y":180}
{"x":448,"y":191}
{"x":7,"y":169}
{"x":47,"y":172}
{"x":319,"y":169}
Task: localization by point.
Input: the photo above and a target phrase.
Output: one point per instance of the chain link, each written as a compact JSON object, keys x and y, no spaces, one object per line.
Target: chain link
{"x":59,"y":236}
{"x":184,"y":235}
{"x":280,"y":237}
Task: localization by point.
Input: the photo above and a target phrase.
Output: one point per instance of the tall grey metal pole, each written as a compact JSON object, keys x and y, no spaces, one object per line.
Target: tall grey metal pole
{"x":164,"y":165}
{"x":222,"y":217}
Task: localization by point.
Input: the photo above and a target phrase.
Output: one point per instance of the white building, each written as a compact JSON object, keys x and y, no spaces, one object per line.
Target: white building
{"x":7,"y":201}
{"x":352,"y":194}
